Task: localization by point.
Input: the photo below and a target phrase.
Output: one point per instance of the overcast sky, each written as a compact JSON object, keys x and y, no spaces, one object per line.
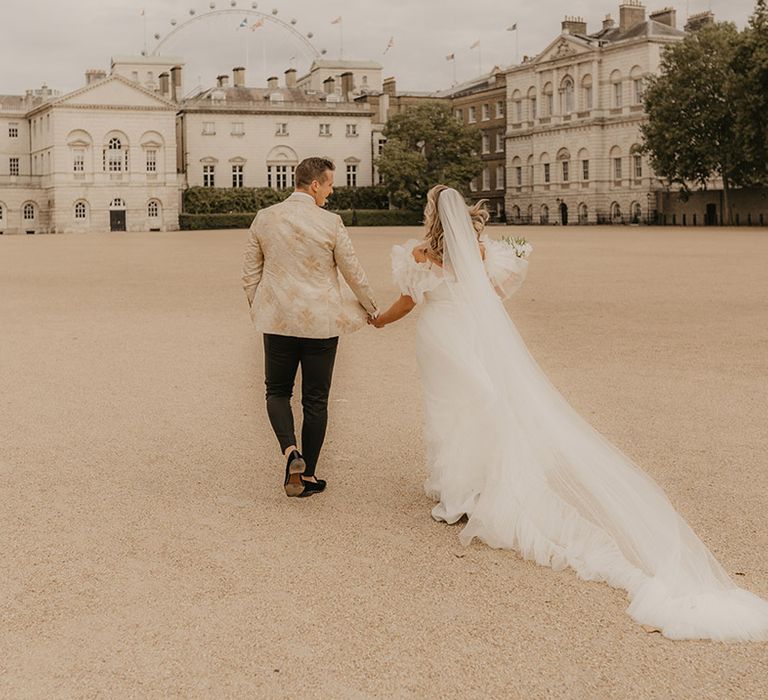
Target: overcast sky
{"x":55,"y":41}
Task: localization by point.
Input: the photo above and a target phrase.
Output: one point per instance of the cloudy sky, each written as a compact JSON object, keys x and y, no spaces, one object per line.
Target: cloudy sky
{"x":55,"y":41}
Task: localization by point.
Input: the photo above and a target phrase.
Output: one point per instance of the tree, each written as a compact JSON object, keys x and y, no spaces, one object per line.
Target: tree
{"x":427,"y":145}
{"x":691,"y":134}
{"x":751,"y":65}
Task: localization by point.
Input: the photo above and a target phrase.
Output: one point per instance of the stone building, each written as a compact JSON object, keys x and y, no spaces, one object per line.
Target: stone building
{"x":573,"y":118}
{"x":232,"y":135}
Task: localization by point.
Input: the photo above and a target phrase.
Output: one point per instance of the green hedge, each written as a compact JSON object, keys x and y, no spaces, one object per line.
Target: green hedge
{"x":358,"y":198}
{"x":356,"y":217}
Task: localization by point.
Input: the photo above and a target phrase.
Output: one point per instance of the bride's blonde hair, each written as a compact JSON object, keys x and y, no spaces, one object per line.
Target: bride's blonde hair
{"x":433,"y":240}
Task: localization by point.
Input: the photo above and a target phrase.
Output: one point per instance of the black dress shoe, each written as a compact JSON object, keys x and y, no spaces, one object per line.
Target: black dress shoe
{"x":294,"y":468}
{"x":311,"y":487}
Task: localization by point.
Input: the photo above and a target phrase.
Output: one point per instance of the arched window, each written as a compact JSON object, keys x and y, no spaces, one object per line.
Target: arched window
{"x":532,"y":104}
{"x":638,"y":85}
{"x":544,"y":215}
{"x":616,"y":216}
{"x":29,"y":211}
{"x":549,"y":100}
{"x":546,"y":174}
{"x":2,"y":213}
{"x":636,"y":212}
{"x":583,"y":213}
{"x":81,"y":211}
{"x":516,"y":214}
{"x":566,"y":95}
{"x":637,"y":161}
{"x":517,"y":106}
{"x":529,"y":215}
{"x":117,"y":203}
{"x":617,"y":169}
{"x":564,"y":157}
{"x":153,"y":209}
{"x":618,"y":89}
{"x":114,"y":155}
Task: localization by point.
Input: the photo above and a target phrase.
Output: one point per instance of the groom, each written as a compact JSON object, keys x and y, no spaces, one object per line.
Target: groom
{"x":298,"y":300}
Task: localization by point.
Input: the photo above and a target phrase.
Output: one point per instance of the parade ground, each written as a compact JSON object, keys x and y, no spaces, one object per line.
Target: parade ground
{"x":148,"y":548}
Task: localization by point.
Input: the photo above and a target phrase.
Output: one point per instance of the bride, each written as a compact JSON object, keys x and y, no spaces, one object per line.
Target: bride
{"x":506,"y":449}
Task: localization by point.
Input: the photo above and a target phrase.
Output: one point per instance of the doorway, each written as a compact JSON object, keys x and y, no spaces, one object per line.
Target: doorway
{"x":711,"y":218}
{"x":563,"y":214}
{"x":117,"y":215}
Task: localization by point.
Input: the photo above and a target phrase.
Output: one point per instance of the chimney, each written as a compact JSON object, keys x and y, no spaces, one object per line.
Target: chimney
{"x":608,"y":23}
{"x":94,"y":74}
{"x":175,"y":83}
{"x":238,"y":76}
{"x":390,"y":86}
{"x":666,"y":16}
{"x":222,"y":81}
{"x":699,"y":20}
{"x":329,"y":85}
{"x":631,"y":13}
{"x":290,"y":78}
{"x":165,"y":84}
{"x":347,"y":84}
{"x":272,"y":83}
{"x":574,"y":25}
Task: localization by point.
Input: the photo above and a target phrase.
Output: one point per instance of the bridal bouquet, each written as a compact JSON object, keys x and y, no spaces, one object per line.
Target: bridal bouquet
{"x":521,"y":246}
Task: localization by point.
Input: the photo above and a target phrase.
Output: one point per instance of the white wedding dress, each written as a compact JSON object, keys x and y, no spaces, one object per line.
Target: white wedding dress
{"x":506,"y":449}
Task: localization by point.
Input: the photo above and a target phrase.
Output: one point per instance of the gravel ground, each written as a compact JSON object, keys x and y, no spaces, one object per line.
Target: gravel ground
{"x":148,"y":549}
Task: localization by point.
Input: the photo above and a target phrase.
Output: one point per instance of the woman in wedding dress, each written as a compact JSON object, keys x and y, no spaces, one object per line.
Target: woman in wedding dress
{"x":506,"y":449}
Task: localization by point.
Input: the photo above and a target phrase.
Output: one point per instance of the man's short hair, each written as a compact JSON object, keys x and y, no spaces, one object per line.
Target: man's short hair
{"x":311,"y":169}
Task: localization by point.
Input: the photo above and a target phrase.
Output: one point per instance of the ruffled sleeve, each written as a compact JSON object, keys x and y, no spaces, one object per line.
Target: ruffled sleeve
{"x":412,"y":278}
{"x":505,"y":270}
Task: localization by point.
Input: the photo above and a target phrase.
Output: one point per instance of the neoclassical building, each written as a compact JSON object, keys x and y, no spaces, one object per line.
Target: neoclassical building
{"x":573,"y":122}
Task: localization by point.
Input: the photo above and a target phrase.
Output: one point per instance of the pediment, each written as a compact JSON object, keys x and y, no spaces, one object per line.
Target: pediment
{"x":114,"y":91}
{"x":564,"y":46}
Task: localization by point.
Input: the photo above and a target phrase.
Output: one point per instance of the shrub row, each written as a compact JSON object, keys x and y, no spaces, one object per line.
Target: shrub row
{"x":350,"y":217}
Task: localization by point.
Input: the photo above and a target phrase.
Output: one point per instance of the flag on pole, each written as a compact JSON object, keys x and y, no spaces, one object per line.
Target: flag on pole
{"x":450,"y":57}
{"x":243,"y":24}
{"x":258,"y":23}
{"x":475,"y":45}
{"x":141,"y":14}
{"x":390,"y":44}
{"x":513,"y":28}
{"x":337,"y":20}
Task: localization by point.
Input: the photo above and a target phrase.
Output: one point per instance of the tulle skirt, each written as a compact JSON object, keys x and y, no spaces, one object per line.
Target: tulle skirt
{"x":505,"y":449}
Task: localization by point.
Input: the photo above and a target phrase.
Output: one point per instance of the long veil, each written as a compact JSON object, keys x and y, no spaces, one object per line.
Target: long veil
{"x":561,"y":494}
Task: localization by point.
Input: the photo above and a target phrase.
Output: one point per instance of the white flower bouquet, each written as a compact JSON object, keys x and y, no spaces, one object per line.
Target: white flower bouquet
{"x":521,"y":246}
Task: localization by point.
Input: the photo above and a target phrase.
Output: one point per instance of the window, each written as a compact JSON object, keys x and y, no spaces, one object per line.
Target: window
{"x":519,"y":176}
{"x":151,"y":161}
{"x":153,"y":209}
{"x":499,"y":142}
{"x":209,"y":129}
{"x":351,"y":129}
{"x":533,"y":108}
{"x":237,"y":176}
{"x":281,"y":129}
{"x":351,"y":176}
{"x":209,"y":176}
{"x":588,"y":97}
{"x":617,"y":168}
{"x":486,"y":112}
{"x":150,"y":76}
{"x":638,"y":86}
{"x":365,"y":80}
{"x":281,"y":176}
{"x":499,"y":177}
{"x":13,"y":130}
{"x":472,"y":114}
{"x":549,"y":100}
{"x":519,"y":111}
{"x":486,"y":179}
{"x":238,"y":129}
{"x":544,"y":215}
{"x":135,"y":76}
{"x":486,"y":143}
{"x":78,"y":161}
{"x":382,"y":143}
{"x":546,"y":173}
{"x":618,"y":94}
{"x":585,"y":170}
{"x":80,"y":211}
{"x":459,"y":114}
{"x":29,"y":211}
{"x":115,"y":155}
{"x":473,"y":185}
{"x":566,"y":170}
{"x":499,"y":109}
{"x":567,"y":105}
{"x":638,"y":166}
{"x":325,"y":130}
{"x":14,"y":166}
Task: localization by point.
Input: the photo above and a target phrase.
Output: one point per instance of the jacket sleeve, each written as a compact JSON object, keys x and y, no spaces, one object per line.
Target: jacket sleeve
{"x":253,"y":264}
{"x":350,"y":268}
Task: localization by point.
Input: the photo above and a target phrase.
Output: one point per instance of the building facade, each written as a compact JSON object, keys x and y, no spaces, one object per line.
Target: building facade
{"x":573,"y":123}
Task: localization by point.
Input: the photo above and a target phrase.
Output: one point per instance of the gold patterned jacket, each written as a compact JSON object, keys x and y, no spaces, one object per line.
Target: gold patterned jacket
{"x":294,"y":255}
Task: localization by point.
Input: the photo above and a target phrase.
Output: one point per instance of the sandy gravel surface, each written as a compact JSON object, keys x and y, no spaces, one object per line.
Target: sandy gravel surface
{"x":148,"y":549}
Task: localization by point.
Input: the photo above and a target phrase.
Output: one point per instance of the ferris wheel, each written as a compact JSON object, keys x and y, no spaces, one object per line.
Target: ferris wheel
{"x":290,"y":27}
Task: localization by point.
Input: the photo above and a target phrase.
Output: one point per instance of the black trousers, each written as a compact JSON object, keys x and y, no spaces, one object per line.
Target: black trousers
{"x":282,"y":356}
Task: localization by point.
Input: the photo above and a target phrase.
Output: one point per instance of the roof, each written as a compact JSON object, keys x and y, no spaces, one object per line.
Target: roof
{"x":649,"y":28}
{"x":149,"y":60}
{"x":13,"y":103}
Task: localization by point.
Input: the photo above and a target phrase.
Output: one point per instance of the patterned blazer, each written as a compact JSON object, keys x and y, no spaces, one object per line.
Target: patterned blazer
{"x":291,"y":272}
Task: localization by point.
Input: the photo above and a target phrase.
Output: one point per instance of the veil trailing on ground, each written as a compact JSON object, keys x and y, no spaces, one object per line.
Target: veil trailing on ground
{"x":559,"y":493}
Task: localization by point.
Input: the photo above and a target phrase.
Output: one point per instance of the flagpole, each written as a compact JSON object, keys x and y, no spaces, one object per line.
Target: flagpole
{"x":517,"y":45}
{"x":341,"y":33}
{"x":480,"y":59}
{"x":144,"y":17}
